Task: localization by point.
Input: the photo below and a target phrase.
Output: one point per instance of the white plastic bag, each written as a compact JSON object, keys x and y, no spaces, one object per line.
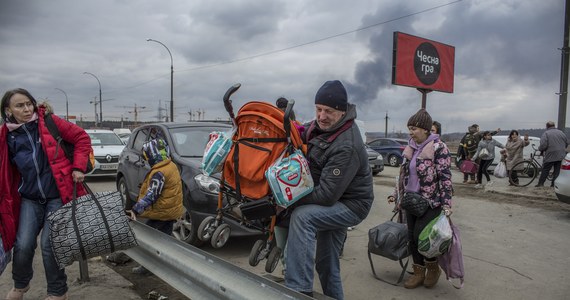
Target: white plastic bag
{"x":500,"y":170}
{"x":435,"y":237}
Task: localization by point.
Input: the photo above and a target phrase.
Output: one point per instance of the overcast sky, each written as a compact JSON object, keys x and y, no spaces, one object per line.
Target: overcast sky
{"x":507,"y":57}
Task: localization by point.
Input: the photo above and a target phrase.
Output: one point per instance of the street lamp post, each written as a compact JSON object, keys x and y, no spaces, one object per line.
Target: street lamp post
{"x":100,"y":99}
{"x":66,"y":104}
{"x":171,"y":79}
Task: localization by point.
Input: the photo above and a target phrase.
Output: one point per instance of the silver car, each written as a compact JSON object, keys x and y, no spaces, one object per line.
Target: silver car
{"x":562,"y":183}
{"x":106,"y":147}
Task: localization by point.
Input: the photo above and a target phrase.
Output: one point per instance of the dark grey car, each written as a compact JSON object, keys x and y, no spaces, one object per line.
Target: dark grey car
{"x":375,"y":160}
{"x":187,"y":142}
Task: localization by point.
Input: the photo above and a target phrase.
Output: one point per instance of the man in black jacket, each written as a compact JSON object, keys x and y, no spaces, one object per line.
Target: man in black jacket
{"x":342,"y":196}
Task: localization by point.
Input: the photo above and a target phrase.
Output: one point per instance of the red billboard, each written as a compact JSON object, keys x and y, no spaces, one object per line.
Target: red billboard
{"x":421,"y":63}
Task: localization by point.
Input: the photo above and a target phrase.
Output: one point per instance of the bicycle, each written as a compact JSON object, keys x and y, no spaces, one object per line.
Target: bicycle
{"x":523,"y":173}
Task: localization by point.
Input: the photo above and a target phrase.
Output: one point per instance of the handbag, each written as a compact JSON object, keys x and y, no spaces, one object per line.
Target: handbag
{"x":451,"y":262}
{"x":414,"y":203}
{"x":468,"y":167}
{"x":89,"y":226}
{"x":484,"y":153}
{"x":289,"y":178}
{"x":389,"y":239}
{"x":435,"y":238}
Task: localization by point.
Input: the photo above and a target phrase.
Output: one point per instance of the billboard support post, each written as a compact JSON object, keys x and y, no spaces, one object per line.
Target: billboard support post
{"x":424,"y":96}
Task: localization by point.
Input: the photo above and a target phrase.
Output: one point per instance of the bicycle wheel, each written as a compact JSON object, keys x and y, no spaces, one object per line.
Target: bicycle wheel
{"x":526,"y":172}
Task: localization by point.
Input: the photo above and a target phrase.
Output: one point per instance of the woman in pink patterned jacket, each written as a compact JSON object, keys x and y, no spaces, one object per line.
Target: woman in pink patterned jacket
{"x":426,"y":170}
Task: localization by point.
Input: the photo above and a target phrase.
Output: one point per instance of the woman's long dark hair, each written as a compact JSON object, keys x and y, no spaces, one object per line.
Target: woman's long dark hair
{"x":6,"y":102}
{"x":511,"y":134}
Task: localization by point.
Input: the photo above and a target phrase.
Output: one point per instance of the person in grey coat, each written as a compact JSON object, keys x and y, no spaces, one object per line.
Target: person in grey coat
{"x":553,"y":144}
{"x":485,"y":152}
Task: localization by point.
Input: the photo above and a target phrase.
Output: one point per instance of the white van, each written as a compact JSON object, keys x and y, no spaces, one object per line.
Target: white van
{"x":531,"y":148}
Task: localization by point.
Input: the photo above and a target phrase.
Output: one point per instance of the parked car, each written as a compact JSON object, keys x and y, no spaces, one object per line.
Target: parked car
{"x":187,"y":142}
{"x":124,"y":137}
{"x":123,"y":133}
{"x":376,"y":161}
{"x":390,"y":148}
{"x":562,"y":183}
{"x":106,"y":148}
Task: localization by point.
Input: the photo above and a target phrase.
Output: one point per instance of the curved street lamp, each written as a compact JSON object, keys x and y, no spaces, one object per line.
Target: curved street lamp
{"x":171,"y":79}
{"x":100,"y":99}
{"x":66,"y":104}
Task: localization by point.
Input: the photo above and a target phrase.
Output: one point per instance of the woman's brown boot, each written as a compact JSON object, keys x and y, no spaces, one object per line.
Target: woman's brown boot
{"x":417,"y":279}
{"x":432,"y":274}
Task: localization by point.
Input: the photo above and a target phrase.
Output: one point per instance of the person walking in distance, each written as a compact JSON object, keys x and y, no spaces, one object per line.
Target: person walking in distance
{"x":514,"y":152}
{"x":486,"y":153}
{"x":553,"y":144}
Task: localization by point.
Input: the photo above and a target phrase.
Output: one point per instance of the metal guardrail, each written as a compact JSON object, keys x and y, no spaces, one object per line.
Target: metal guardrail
{"x":198,"y":274}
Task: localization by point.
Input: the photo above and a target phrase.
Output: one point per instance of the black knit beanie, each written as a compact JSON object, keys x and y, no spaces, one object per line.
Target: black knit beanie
{"x":421,"y":120}
{"x":332,"y":94}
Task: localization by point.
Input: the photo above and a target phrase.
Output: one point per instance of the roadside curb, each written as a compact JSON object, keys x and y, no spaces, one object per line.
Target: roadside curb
{"x":525,"y":192}
{"x":537,"y":197}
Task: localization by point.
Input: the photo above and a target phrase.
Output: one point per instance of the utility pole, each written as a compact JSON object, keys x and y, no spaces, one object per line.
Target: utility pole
{"x":563,"y":94}
{"x":386,"y":128}
{"x":95,"y":103}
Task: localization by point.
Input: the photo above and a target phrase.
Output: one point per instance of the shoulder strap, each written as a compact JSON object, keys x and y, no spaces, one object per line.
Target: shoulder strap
{"x":54,"y":131}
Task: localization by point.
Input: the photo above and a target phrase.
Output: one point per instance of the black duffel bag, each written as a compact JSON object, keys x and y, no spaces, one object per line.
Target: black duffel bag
{"x":390,"y":240}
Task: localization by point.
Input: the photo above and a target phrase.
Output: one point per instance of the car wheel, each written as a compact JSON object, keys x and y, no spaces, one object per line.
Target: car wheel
{"x":124,"y":191}
{"x":186,"y":230}
{"x":393,"y":161}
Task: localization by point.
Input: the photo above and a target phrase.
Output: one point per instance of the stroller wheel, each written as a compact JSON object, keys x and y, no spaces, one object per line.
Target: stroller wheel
{"x":220,"y":236}
{"x":273,"y":259}
{"x":206,"y":228}
{"x":255,"y":252}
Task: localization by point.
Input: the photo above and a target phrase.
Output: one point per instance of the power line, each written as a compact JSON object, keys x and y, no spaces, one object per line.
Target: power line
{"x":319,"y":40}
{"x":306,"y":43}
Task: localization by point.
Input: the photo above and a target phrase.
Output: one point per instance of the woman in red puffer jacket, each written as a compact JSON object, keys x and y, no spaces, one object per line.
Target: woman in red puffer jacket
{"x":36,"y":178}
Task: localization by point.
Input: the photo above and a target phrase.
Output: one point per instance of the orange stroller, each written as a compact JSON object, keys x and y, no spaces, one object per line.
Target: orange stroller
{"x":262,"y":132}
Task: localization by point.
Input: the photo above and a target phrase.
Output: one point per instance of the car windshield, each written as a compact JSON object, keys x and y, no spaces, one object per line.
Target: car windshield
{"x":191,"y":141}
{"x":105,"y":139}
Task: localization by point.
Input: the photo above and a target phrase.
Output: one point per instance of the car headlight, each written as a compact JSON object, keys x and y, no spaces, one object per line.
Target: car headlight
{"x":207,"y":183}
{"x":380,"y":157}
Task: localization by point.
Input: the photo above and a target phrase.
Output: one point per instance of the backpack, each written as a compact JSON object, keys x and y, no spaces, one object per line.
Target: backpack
{"x":259,"y":140}
{"x":470,"y":143}
{"x":68,"y":148}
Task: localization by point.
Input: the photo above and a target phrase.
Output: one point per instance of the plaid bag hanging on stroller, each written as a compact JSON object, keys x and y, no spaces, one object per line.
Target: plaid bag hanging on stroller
{"x":262,"y":134}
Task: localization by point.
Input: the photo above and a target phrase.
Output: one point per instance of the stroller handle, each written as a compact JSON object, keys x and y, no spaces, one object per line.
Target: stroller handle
{"x":286,"y":118}
{"x":228,"y":101}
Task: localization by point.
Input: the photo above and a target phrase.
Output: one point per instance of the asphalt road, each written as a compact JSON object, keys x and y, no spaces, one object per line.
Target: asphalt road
{"x":515,"y":246}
